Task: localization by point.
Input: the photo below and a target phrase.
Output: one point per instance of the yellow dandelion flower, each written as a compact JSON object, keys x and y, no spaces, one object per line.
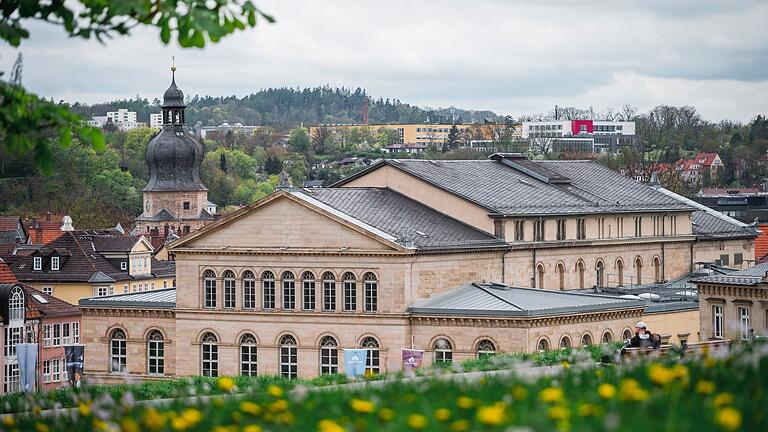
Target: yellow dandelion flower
{"x":329,"y":426}
{"x":8,"y":421}
{"x":84,"y":409}
{"x":99,"y":424}
{"x":250,"y":408}
{"x":705,"y":387}
{"x":565,"y":364}
{"x":442,"y":414}
{"x":275,"y":391}
{"x":252,"y":428}
{"x":723,"y":399}
{"x":41,"y":427}
{"x":465,"y":402}
{"x":362,"y":406}
{"x":386,"y":414}
{"x":129,"y":425}
{"x":179,"y":423}
{"x":460,"y":426}
{"x":279,"y":405}
{"x":226,"y":384}
{"x":631,"y":391}
{"x":660,"y":375}
{"x":519,"y":392}
{"x":558,"y":412}
{"x":153,"y":420}
{"x":728,"y":418}
{"x":606,"y":391}
{"x":491,"y":415}
{"x":599,"y":373}
{"x":417,"y":421}
{"x":551,"y":395}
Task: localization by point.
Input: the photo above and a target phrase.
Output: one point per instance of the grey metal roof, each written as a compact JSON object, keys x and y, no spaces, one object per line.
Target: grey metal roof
{"x":490,"y":299}
{"x":159,"y":299}
{"x":749,"y":277}
{"x":511,"y":185}
{"x":401,"y":218}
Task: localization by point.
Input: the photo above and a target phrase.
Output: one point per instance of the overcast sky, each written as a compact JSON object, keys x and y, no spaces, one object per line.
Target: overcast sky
{"x":507,"y":56}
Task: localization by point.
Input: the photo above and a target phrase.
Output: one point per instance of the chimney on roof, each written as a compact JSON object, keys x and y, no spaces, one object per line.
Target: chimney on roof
{"x":66,"y":223}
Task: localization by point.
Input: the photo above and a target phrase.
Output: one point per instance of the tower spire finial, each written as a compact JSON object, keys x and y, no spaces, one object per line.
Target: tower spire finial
{"x":173,"y":68}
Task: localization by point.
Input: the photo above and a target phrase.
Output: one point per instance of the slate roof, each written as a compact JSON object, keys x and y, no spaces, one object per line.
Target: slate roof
{"x":401,"y":217}
{"x":752,"y":276}
{"x":114,"y":243}
{"x":159,"y":299}
{"x":490,"y":299}
{"x":511,"y":185}
{"x":710,"y":223}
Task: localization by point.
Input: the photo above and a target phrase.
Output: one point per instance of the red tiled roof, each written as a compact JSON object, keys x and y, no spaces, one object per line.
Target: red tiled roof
{"x":761,"y":242}
{"x":6,"y":275}
{"x":49,"y":230}
{"x":706,"y":158}
{"x":8,"y":223}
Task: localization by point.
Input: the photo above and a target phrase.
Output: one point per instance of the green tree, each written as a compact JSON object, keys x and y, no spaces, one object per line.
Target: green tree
{"x":453,"y":138}
{"x":298,"y":138}
{"x":28,"y":122}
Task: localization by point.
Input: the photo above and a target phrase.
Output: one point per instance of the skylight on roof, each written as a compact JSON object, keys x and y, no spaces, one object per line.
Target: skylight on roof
{"x":39,"y":298}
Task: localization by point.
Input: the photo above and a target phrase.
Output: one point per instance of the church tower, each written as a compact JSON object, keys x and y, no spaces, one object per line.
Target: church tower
{"x":175,"y":199}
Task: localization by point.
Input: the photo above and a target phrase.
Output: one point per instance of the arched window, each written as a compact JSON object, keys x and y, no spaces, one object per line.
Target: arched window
{"x":656,"y":269}
{"x":209,"y":288}
{"x":627,"y":334}
{"x":118,"y":357}
{"x":229,"y":289}
{"x":561,"y":276}
{"x":638,"y":271}
{"x":485,"y":348}
{"x":620,"y":271}
{"x":249,"y":290}
{"x":600,"y":268}
{"x":16,"y":305}
{"x":209,"y":350}
{"x":289,"y":357}
{"x":371,"y":292}
{"x":268,"y":290}
{"x":565,"y":342}
{"x":543,"y":345}
{"x":329,"y":291}
{"x":540,"y":276}
{"x":586,"y":340}
{"x":308,"y":284}
{"x":443,"y":351}
{"x":580,"y":268}
{"x":329,"y":355}
{"x":350,"y":291}
{"x":248,"y":355}
{"x":607,"y":337}
{"x":372,"y":360}
{"x":289,"y":291}
{"x":155,"y":353}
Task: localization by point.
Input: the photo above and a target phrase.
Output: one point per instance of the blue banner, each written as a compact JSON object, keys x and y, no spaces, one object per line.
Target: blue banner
{"x":26,"y":353}
{"x":74,"y":355}
{"x":354,"y":362}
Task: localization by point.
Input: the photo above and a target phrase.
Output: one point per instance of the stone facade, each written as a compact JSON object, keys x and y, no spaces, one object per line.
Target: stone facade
{"x":733,"y":311}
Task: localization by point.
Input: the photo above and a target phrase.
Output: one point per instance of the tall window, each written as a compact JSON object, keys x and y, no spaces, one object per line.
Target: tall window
{"x":371,"y":286}
{"x":54,"y":263}
{"x":543,"y":345}
{"x":519,"y":230}
{"x":329,"y":355}
{"x":65,"y":334}
{"x":607,"y":337}
{"x":268,"y":290}
{"x":580,"y":268}
{"x":538,"y":230}
{"x":600,"y":267}
{"x":308,"y":286}
{"x":485,"y":348}
{"x":586,"y":340}
{"x":540,"y":276}
{"x":329,"y":291}
{"x":443,"y":351}
{"x":561,"y":276}
{"x":288,"y":357}
{"x":717,"y":321}
{"x":600,"y":227}
{"x":37,"y":263}
{"x":350,"y":291}
{"x":118,"y":351}
{"x":372,"y":360}
{"x":155,"y":353}
{"x":229,"y":289}
{"x":561,"y":229}
{"x":620,"y":271}
{"x":209,"y":350}
{"x":743,"y":313}
{"x":289,"y":291}
{"x":638,"y":226}
{"x":581,"y":228}
{"x":638,"y":271}
{"x":620,"y":227}
{"x":627,"y":334}
{"x":656,"y":269}
{"x":47,"y":342}
{"x":248,"y":355}
{"x":76,"y":332}
{"x":249,"y":290}
{"x":565,"y":342}
{"x":209,"y":288}
{"x":16,"y":305}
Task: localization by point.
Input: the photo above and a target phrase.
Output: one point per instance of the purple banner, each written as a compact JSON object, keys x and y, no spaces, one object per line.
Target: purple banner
{"x":412,"y":359}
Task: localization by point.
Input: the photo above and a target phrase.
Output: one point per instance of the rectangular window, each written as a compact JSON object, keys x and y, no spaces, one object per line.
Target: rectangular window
{"x":743,"y":313}
{"x":581,"y":228}
{"x":123,"y":265}
{"x":38,"y":263}
{"x":538,"y":230}
{"x":186,"y":205}
{"x":54,"y":263}
{"x":519,"y":230}
{"x":229,"y":293}
{"x":329,"y":295}
{"x":289,"y":294}
{"x":638,"y":226}
{"x":118,"y":355}
{"x":724,"y":260}
{"x":65,"y":335}
{"x":268,"y":298}
{"x":55,"y":370}
{"x":498,"y":229}
{"x":619,"y":227}
{"x":249,"y":293}
{"x":210,"y":292}
{"x":57,"y":335}
{"x":47,"y":371}
{"x":309,"y":294}
{"x":738,"y":259}
{"x":717,"y":321}
{"x":561,"y":226}
{"x":48,"y":290}
{"x":76,"y":332}
{"x":156,"y":357}
{"x":47,"y":335}
{"x":350,"y":294}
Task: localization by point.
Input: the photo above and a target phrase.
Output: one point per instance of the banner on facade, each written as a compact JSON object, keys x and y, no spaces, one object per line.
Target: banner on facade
{"x":354,"y":362}
{"x":26,"y":355}
{"x":412,"y":358}
{"x":74,"y":355}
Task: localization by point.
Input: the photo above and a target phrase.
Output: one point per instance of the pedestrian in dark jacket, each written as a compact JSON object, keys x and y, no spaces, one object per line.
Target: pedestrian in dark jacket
{"x":644,"y":338}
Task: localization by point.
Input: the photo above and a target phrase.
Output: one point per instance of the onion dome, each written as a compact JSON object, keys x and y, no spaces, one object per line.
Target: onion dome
{"x":173,"y":97}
